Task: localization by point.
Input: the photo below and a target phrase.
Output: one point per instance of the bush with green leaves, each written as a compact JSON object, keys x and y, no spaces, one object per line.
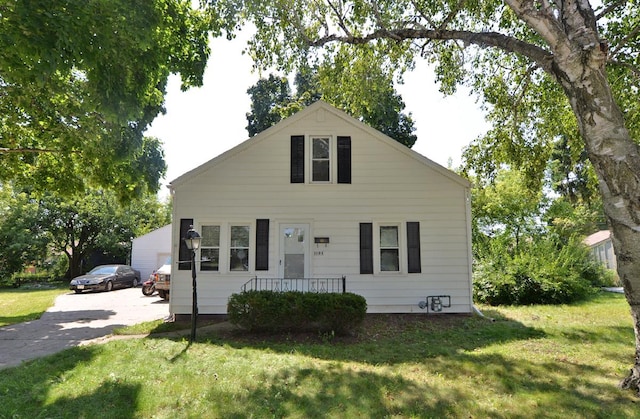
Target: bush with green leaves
{"x":540,"y":273}
{"x":297,"y":311}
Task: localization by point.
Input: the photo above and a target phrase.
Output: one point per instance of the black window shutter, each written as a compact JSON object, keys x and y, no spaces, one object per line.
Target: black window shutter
{"x":184,"y":254}
{"x":297,"y":159}
{"x":413,"y":247}
{"x":344,"y":159}
{"x":262,"y":245}
{"x":366,"y":248}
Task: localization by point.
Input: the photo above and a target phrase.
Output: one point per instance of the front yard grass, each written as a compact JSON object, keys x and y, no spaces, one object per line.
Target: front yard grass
{"x":27,"y":303}
{"x":531,"y":362}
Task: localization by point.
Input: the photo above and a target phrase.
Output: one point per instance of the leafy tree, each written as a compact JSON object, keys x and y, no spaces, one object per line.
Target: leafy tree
{"x":20,"y":232}
{"x":80,"y":81}
{"x":572,"y":175}
{"x":272,"y":100}
{"x":541,"y":67}
{"x":528,"y":247}
{"x":37,"y":228}
{"x":83,"y":224}
{"x":268,"y":97}
{"x":506,"y":207}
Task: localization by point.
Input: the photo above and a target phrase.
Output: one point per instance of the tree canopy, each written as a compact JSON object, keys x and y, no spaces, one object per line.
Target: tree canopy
{"x":543,"y":70}
{"x":272,"y":100}
{"x":39,"y":228}
{"x":81,"y":81}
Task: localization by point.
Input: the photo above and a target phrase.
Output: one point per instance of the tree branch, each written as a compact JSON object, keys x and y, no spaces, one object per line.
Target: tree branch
{"x":634,"y":33}
{"x":339,"y":15}
{"x":633,"y":69}
{"x":610,"y":8}
{"x":4,"y":150}
{"x":482,"y":39}
{"x":454,"y":11}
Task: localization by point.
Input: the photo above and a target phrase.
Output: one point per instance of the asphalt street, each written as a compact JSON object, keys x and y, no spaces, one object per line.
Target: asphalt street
{"x":77,"y":318}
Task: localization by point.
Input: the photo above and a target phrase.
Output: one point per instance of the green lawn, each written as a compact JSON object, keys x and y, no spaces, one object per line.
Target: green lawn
{"x":532,"y":362}
{"x":25,"y":304}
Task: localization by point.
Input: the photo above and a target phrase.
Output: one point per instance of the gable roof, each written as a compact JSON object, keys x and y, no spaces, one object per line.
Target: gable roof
{"x":159,"y":232}
{"x":316,"y":106}
{"x":597,"y":237}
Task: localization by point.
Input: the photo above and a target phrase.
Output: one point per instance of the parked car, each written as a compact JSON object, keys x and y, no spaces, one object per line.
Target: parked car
{"x":106,"y":278}
{"x":163,"y":279}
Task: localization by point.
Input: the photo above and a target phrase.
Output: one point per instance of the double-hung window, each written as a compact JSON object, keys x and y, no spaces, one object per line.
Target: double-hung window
{"x":239,"y":248}
{"x":210,"y":248}
{"x":389,"y":249}
{"x":321,"y":159}
{"x":393,"y":248}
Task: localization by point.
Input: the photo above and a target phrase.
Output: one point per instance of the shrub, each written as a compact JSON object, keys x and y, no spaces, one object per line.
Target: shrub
{"x":541,"y":273}
{"x":59,"y":267}
{"x":296,"y":311}
{"x":19,"y":279}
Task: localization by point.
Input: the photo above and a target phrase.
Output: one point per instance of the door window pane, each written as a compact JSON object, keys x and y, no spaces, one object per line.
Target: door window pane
{"x":294,"y":252}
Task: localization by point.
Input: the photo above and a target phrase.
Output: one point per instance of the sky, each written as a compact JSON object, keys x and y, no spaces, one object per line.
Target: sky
{"x":203,"y":122}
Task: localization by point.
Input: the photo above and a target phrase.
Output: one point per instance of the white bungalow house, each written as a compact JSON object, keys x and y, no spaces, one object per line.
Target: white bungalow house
{"x":150,"y":251}
{"x":601,"y":248}
{"x":319,"y":202}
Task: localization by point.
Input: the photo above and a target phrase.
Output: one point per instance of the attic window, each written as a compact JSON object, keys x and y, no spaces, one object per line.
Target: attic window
{"x":320,"y":159}
{"x":329,"y":158}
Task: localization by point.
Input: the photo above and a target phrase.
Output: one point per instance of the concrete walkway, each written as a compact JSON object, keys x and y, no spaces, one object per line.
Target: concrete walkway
{"x":77,"y":318}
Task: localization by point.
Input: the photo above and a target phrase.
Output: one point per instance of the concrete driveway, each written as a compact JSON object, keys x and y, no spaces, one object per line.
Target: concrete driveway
{"x":76,"y":318}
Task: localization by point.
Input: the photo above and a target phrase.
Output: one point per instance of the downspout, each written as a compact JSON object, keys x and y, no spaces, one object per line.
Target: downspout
{"x":175,"y":238}
{"x":477,"y":311}
{"x":467,"y":199}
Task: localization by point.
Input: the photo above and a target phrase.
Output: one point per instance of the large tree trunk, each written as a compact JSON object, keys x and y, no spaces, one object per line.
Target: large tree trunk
{"x":616,"y":160}
{"x":75,"y":262}
{"x":578,"y":64}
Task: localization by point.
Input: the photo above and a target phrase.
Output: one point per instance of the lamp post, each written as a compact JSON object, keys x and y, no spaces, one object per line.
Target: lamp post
{"x":192,"y":240}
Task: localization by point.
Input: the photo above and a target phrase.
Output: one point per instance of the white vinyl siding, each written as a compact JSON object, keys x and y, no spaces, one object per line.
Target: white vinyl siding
{"x":390,"y":185}
{"x":150,"y":251}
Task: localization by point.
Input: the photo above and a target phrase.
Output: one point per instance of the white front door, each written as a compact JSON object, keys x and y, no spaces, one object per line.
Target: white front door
{"x":294,"y":251}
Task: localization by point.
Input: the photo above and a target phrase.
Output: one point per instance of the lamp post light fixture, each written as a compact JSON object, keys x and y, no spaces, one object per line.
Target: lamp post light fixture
{"x":192,"y":240}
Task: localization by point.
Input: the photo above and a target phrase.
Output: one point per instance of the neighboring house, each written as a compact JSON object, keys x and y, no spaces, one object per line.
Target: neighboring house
{"x":322,"y":196}
{"x":150,"y":251}
{"x":602,"y":248}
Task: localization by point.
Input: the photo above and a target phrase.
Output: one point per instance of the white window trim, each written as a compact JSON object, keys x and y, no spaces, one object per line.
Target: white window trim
{"x":220,"y":247}
{"x":252,"y":245}
{"x":333,"y":156}
{"x":402,"y":247}
{"x":225,"y":247}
